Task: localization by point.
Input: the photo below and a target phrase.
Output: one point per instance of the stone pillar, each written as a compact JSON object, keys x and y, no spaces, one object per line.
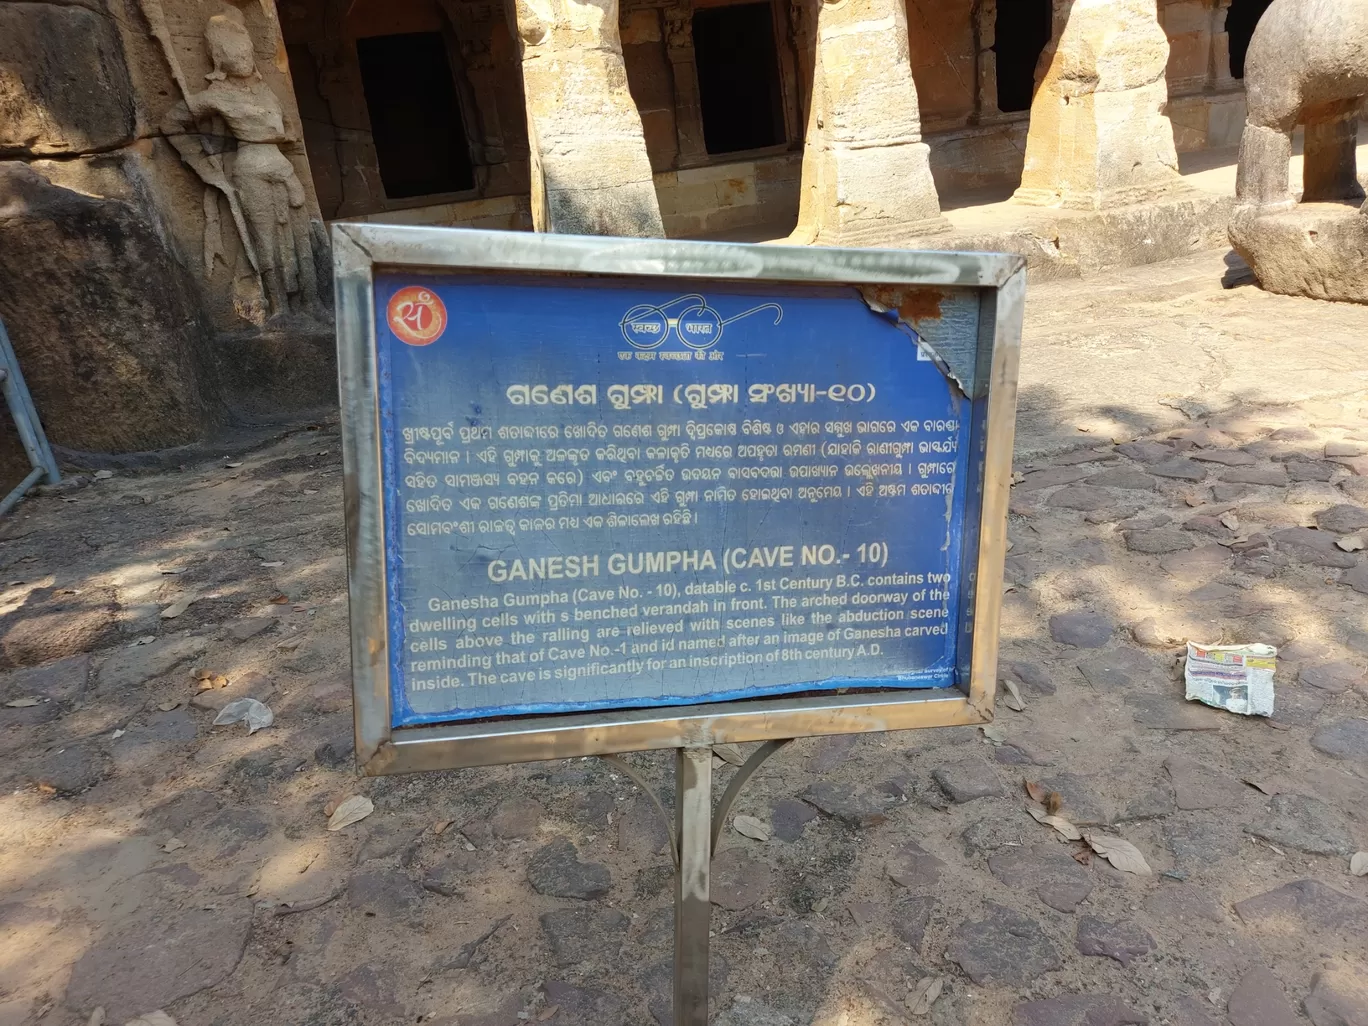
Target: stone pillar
{"x":590,"y":171}
{"x":986,"y":58}
{"x":1099,"y":136}
{"x":1330,"y":161}
{"x":679,"y":46}
{"x":866,"y":176}
{"x":1221,"y":79}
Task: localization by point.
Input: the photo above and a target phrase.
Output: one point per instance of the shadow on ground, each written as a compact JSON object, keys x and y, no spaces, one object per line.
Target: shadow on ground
{"x":150,"y":860}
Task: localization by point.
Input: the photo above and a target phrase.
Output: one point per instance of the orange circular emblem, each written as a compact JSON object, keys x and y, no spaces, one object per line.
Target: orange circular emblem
{"x":417,"y":316}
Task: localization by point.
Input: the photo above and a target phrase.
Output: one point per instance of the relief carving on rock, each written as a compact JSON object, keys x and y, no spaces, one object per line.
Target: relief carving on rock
{"x":230,"y":134}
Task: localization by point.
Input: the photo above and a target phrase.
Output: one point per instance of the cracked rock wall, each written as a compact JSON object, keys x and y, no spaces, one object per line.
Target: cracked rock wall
{"x":103,"y":316}
{"x":115,"y":300}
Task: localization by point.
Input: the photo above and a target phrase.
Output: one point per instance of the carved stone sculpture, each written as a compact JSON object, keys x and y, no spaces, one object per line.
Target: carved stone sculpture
{"x":230,"y":135}
{"x":590,"y":171}
{"x":1307,"y":65}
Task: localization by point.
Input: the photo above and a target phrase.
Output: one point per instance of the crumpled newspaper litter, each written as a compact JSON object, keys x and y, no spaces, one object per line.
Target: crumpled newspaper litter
{"x":1237,"y":678}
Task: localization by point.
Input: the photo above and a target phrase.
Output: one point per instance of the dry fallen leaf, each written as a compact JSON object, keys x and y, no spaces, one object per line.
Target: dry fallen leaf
{"x":21,"y":703}
{"x":924,"y":995}
{"x":1066,"y":829}
{"x":1120,"y":853}
{"x":157,"y":1018}
{"x":1358,"y":865}
{"x":274,"y":563}
{"x":1036,"y":792}
{"x":1083,"y":856}
{"x":749,"y":826}
{"x":1054,"y":803}
{"x":168,"y":705}
{"x":1013,"y":701}
{"x":994,"y":733}
{"x":279,"y":600}
{"x":547,"y":1012}
{"x":1268,"y":787}
{"x":173,"y":844}
{"x":179,"y":606}
{"x":437,"y":828}
{"x":353,"y":810}
{"x":731,"y":754}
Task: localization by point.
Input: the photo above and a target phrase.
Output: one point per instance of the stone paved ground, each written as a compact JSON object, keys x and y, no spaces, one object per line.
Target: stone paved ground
{"x":150,"y":861}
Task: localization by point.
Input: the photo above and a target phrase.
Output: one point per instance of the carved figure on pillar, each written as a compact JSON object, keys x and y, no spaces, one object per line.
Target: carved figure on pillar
{"x":230,"y":135}
{"x":679,"y":46}
{"x":866,"y":172}
{"x":1307,"y":65}
{"x":1221,"y":79}
{"x":591,"y":174}
{"x":1099,"y":136}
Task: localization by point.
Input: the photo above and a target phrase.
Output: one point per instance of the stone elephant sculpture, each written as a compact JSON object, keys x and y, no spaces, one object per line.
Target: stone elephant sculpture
{"x":1307,"y":64}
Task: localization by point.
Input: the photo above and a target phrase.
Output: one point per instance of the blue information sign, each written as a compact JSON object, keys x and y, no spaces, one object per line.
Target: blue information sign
{"x":610,"y":493}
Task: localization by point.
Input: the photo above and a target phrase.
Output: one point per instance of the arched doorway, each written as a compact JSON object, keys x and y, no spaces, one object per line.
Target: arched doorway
{"x":1241,"y":19}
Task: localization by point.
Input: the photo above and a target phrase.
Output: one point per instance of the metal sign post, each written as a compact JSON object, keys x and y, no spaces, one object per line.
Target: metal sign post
{"x":693,"y":905}
{"x":611,"y":495}
{"x":26,"y":422}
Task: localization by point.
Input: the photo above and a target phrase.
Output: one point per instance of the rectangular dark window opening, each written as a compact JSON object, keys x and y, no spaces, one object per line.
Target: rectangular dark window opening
{"x":1022,"y":31}
{"x":738,"y":78}
{"x":420,"y":139}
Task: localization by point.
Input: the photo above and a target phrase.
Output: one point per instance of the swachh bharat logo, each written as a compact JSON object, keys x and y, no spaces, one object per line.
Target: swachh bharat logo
{"x":695,"y":323}
{"x":416,"y":315}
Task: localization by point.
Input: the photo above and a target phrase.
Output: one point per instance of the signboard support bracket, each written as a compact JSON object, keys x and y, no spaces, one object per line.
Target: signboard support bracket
{"x":694,"y":832}
{"x":649,"y":791}
{"x":738,"y":781}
